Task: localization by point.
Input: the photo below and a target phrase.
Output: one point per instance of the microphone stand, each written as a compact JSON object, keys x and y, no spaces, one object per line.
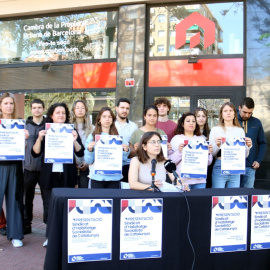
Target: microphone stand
{"x":153,"y":186}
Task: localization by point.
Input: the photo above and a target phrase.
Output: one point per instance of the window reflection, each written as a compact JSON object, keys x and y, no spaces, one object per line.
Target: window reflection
{"x":228,"y":19}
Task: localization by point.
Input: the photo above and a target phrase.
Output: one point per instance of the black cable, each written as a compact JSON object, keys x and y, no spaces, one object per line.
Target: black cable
{"x":188,"y":224}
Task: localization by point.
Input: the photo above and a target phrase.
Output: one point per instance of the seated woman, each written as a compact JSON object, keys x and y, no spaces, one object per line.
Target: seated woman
{"x":149,"y":148}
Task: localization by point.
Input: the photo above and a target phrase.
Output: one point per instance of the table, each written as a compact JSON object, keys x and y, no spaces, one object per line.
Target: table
{"x":176,"y":250}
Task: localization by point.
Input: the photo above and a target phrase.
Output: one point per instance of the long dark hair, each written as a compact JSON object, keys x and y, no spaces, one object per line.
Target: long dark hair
{"x":142,"y":154}
{"x":51,"y":111}
{"x":146,"y":109}
{"x":206,"y":129}
{"x":180,"y":125}
{"x":98,"y":127}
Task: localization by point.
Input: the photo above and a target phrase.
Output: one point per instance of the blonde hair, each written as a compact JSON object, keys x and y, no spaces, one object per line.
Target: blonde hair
{"x":87,"y":125}
{"x":6,"y":95}
{"x":235,"y":119}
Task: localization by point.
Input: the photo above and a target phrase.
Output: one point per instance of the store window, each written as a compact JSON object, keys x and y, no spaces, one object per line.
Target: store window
{"x":59,"y":38}
{"x":227,"y":17}
{"x":95,"y":101}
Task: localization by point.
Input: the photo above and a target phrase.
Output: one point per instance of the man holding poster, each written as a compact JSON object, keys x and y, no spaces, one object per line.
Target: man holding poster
{"x":227,"y":129}
{"x":100,"y":148}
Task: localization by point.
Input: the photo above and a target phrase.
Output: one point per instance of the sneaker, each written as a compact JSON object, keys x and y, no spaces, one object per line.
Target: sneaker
{"x":17,"y":243}
{"x":45,"y":244}
{"x":27,"y":229}
{"x":3,"y":231}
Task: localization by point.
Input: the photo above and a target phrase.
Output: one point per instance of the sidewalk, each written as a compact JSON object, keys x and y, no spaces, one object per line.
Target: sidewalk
{"x":31,"y":255}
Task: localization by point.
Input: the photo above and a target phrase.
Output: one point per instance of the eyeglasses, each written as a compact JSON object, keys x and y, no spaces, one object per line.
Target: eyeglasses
{"x":153,"y":142}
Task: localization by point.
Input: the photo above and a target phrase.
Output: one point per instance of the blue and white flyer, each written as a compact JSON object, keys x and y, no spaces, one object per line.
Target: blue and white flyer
{"x":12,"y":139}
{"x":164,"y":145}
{"x":141,"y":228}
{"x":89,"y":230}
{"x":59,"y":145}
{"x":108,"y":154}
{"x":195,"y":160}
{"x":233,"y":156}
{"x":260,"y":222}
{"x":229,"y":224}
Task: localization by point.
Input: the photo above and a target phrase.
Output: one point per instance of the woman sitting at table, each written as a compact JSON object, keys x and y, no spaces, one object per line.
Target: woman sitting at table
{"x":104,"y":126}
{"x":149,"y":148}
{"x":187,"y":130}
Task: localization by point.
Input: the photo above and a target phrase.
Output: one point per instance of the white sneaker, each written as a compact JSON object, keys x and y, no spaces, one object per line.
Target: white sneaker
{"x":45,"y":244}
{"x":17,"y":243}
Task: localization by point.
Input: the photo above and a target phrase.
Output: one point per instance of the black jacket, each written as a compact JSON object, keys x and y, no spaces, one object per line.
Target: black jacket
{"x":70,"y":170}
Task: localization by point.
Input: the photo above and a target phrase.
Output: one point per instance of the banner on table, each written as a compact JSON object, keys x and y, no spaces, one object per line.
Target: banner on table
{"x":164,"y":146}
{"x":260,"y":222}
{"x":233,"y":156}
{"x":89,"y":230}
{"x":59,"y":145}
{"x":229,"y":224}
{"x":141,"y":228}
{"x":195,"y":160}
{"x":12,"y":139}
{"x":108,"y":154}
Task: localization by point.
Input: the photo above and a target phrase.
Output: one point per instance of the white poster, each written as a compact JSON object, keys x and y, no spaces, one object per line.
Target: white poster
{"x":195,"y":160}
{"x":59,"y":145}
{"x":260,"y":222}
{"x":233,"y":156}
{"x":12,"y":139}
{"x":89,"y":230}
{"x":141,"y":228}
{"x":108,"y":154}
{"x":164,"y":145}
{"x":229,"y":224}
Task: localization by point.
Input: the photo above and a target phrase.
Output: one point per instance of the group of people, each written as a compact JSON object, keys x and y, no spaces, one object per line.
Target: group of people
{"x":140,"y":146}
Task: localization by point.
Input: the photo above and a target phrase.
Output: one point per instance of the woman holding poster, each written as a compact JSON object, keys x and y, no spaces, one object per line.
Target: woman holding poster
{"x":82,"y":123}
{"x":104,"y":126}
{"x":227,"y":128}
{"x":188,"y":132}
{"x":56,"y":174}
{"x":149,"y":148}
{"x":11,"y":175}
{"x":150,"y":116}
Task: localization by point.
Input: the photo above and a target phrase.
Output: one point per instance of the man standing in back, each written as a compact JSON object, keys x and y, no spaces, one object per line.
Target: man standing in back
{"x":125,"y":128}
{"x":253,"y":129}
{"x":34,"y":124}
{"x":164,"y":107}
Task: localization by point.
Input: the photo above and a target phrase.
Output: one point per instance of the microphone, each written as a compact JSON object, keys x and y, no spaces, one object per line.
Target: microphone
{"x":153,"y":169}
{"x":171,"y":168}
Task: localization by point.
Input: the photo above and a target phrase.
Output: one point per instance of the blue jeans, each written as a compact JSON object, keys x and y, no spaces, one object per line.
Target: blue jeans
{"x":247,"y":179}
{"x":197,"y":186}
{"x":224,"y":181}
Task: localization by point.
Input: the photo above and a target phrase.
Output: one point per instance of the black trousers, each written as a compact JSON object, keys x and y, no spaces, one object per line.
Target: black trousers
{"x":31,"y":179}
{"x":105,"y":184}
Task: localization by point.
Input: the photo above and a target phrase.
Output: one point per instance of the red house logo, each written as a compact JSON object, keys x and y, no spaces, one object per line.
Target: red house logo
{"x":195,"y":18}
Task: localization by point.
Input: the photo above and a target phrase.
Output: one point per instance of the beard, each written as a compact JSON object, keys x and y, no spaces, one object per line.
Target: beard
{"x":122,"y":117}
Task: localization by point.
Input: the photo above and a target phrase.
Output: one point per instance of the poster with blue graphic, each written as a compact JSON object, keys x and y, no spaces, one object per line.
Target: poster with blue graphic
{"x":260,"y":222}
{"x":233,"y":156}
{"x":164,"y":146}
{"x":59,"y":144}
{"x":89,"y":230}
{"x":141,"y":228}
{"x":12,"y":139}
{"x":195,"y":160}
{"x":229,"y":224}
{"x":108,"y":154}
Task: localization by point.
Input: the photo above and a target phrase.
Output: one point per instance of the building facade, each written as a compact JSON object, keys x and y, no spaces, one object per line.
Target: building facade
{"x":196,"y":53}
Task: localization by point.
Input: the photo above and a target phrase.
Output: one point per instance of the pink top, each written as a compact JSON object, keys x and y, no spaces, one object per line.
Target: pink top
{"x":169,"y":128}
{"x":176,"y":156}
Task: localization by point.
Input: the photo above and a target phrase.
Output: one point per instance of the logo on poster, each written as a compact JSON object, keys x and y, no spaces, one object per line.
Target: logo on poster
{"x":195,"y":18}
